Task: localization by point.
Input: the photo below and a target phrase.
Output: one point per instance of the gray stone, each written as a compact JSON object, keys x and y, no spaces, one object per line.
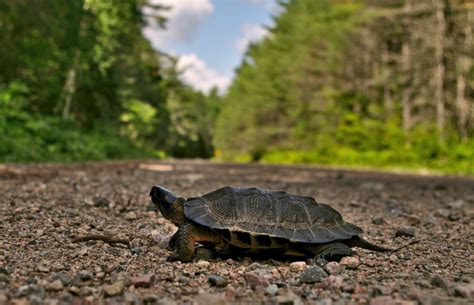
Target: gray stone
{"x":378,"y":221}
{"x":440,"y":282}
{"x":406,"y":232}
{"x":85,"y":275}
{"x":312,"y":275}
{"x":217,"y":280}
{"x":101,"y":202}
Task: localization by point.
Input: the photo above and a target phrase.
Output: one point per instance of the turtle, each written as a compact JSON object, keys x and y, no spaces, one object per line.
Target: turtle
{"x":258,"y":220}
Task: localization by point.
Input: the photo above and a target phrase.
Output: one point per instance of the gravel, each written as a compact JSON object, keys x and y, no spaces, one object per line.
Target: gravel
{"x":44,"y":207}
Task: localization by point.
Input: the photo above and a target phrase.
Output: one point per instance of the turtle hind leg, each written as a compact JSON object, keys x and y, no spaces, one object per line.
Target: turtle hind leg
{"x":357,"y":241}
{"x":328,"y":252}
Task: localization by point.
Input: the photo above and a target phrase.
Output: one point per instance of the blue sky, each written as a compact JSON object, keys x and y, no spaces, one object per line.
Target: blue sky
{"x":210,"y":36}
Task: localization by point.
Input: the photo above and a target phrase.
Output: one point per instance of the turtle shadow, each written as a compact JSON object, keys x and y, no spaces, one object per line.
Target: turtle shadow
{"x":211,"y":254}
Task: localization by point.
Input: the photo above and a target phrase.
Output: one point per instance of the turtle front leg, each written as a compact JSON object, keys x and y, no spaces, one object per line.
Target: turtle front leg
{"x":173,"y":241}
{"x":186,"y":236}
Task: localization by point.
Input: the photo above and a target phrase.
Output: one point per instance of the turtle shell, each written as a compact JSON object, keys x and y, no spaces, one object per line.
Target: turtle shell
{"x":273,"y":213}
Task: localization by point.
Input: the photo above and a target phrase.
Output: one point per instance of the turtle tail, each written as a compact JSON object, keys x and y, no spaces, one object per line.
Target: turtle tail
{"x":357,"y":241}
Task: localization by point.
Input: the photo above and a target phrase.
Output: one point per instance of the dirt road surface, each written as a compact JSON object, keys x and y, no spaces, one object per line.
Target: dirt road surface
{"x":44,"y":207}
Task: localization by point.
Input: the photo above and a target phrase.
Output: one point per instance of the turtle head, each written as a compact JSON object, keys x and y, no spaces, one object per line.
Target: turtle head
{"x":170,"y":205}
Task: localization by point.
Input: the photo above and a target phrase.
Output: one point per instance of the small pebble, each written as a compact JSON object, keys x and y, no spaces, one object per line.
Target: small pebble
{"x":131,"y":216}
{"x":313,"y":274}
{"x":86,"y":291}
{"x":85,"y":275}
{"x":202,"y":264}
{"x":350,"y":262}
{"x":43,"y":266}
{"x":217,"y":280}
{"x":74,"y":290}
{"x":333,"y":268}
{"x":298,"y":266}
{"x":272,"y":289}
{"x":406,"y":232}
{"x":290,"y":298}
{"x":55,"y":286}
{"x":114,"y":289}
{"x":82,"y":252}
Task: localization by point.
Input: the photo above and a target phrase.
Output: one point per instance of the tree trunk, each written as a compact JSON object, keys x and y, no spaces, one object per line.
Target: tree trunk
{"x":68,"y":91}
{"x":387,"y":97}
{"x":440,"y":69}
{"x":463,"y":65}
{"x":407,"y":71}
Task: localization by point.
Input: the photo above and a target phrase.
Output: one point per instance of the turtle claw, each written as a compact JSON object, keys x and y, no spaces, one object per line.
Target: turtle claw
{"x":320,"y":261}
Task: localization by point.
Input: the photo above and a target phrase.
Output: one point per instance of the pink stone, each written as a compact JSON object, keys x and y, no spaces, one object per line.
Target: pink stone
{"x":333,"y":268}
{"x":350,"y":262}
{"x":255,"y":280}
{"x":145,"y":280}
{"x":298,"y":266}
{"x":334,"y":281}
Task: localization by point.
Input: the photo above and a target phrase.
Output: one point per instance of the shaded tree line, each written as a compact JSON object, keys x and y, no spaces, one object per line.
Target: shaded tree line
{"x":78,"y":80}
{"x":357,"y":82}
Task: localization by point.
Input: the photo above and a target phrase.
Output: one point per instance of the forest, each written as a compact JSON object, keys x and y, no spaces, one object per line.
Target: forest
{"x":379,"y":84}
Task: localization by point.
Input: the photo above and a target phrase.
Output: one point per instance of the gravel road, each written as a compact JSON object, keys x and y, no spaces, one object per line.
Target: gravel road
{"x":45,"y":208}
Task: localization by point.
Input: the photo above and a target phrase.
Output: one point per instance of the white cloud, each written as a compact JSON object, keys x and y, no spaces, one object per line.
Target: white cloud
{"x":199,"y":75}
{"x":251,"y":33}
{"x":184,"y":18}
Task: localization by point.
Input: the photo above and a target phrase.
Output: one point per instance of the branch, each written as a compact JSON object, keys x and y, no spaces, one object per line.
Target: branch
{"x":104,"y":238}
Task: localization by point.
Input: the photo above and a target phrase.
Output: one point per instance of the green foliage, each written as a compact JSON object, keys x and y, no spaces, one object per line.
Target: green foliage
{"x":295,"y":99}
{"x":138,"y":120}
{"x":80,"y":81}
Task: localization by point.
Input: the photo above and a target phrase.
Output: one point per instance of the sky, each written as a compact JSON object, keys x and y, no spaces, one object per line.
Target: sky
{"x":210,"y":36}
